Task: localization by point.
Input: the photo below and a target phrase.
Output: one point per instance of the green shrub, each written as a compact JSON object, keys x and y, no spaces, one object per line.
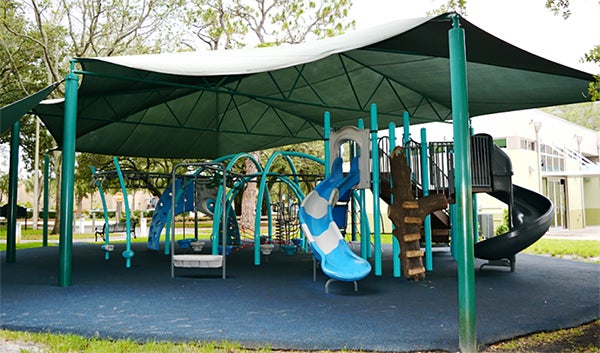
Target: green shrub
{"x":504,"y":226}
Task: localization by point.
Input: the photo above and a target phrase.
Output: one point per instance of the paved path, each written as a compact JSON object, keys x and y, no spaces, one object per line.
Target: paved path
{"x":588,"y":233}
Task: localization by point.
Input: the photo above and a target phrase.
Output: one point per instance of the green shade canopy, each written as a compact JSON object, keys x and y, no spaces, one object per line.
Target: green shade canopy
{"x":209,"y":104}
{"x":15,"y":111}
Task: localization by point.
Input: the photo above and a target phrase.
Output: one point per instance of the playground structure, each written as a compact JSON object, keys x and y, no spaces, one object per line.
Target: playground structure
{"x":413,"y":193}
{"x":286,"y":221}
{"x":329,"y":247}
{"x":530,"y":213}
{"x":323,"y":214}
{"x":107,"y":247}
{"x":199,"y":190}
{"x":189,"y":193}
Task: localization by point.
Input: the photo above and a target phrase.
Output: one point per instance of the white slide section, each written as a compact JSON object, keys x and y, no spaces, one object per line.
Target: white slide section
{"x":338,"y":261}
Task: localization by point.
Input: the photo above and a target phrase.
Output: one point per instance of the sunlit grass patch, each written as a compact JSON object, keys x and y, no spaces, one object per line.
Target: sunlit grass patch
{"x":576,"y":249}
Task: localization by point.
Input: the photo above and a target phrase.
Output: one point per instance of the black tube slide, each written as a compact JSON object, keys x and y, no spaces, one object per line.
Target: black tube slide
{"x":532,"y":216}
{"x":530,"y":213}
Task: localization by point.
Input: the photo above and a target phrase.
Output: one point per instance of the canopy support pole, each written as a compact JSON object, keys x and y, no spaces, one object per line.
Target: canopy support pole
{"x":46,"y":199}
{"x":13,"y":178}
{"x":67,"y":188}
{"x":464,"y":187}
{"x":397,"y":266}
{"x":365,"y":233}
{"x":376,"y":191}
{"x":425,"y":188}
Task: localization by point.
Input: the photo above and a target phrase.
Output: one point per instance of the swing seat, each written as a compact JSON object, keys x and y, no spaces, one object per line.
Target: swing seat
{"x":198,"y":261}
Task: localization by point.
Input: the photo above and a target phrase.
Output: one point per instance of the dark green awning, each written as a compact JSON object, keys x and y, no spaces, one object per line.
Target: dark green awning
{"x":15,"y":111}
{"x":209,"y":104}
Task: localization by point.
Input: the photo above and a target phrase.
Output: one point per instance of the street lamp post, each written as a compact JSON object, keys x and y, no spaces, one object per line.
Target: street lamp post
{"x":537,"y":126}
{"x":579,"y":138}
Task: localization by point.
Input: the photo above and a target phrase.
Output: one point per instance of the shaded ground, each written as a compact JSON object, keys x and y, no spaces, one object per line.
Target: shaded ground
{"x":277,"y":304}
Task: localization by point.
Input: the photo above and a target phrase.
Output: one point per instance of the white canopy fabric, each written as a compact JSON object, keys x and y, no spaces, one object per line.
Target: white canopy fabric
{"x":256,"y":60}
{"x":209,"y":104}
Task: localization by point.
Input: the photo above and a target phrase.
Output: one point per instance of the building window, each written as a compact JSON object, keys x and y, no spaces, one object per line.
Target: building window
{"x":527,"y":145}
{"x":552,"y":160}
{"x":500,"y":143}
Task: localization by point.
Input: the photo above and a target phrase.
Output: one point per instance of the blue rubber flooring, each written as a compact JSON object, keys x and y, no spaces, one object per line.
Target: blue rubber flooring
{"x":278,"y":304}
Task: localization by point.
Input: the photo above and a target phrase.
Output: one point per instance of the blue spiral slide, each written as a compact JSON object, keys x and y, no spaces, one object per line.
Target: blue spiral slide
{"x":338,"y":261}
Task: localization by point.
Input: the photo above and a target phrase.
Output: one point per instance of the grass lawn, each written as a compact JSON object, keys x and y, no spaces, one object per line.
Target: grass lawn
{"x":579,"y":339}
{"x":587,"y":250}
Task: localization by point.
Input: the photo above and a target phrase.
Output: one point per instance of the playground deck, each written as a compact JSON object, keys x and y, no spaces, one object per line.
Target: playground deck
{"x":279,"y":305}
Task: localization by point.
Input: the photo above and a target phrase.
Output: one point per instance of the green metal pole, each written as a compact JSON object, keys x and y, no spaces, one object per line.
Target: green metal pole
{"x":128,"y":253}
{"x":106,"y":220}
{"x":326,"y":134}
{"x":46,"y":198}
{"x":397,"y":266}
{"x":365,"y":234}
{"x":67,"y":188}
{"x":13,"y":179}
{"x":425,"y":186}
{"x":405,"y":128}
{"x":376,"y":190}
{"x":463,"y":185}
{"x":406,"y":135}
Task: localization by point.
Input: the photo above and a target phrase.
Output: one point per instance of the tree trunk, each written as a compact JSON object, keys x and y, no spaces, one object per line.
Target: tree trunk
{"x":407,"y":213}
{"x":248,"y":215}
{"x":79,"y":205}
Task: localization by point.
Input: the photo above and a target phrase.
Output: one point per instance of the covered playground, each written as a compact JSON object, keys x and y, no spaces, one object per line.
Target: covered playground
{"x":218,"y":103}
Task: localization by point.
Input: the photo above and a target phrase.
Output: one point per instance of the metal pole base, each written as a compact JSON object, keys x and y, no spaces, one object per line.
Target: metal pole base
{"x":329,"y":281}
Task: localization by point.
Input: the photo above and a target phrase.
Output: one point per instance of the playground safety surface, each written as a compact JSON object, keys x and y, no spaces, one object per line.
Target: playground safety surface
{"x":278,"y":304}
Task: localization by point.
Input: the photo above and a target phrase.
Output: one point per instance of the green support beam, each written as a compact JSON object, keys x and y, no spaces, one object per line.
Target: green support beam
{"x":376,"y":191}
{"x":464,"y":196}
{"x":67,"y":189}
{"x":46,"y":199}
{"x":13,"y":178}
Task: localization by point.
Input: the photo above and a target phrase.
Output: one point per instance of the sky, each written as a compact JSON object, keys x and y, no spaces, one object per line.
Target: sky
{"x":524,"y":23}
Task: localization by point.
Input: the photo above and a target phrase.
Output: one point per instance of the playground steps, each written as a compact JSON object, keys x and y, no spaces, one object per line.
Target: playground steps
{"x":412,"y":237}
{"x":411,"y":255}
{"x":407,"y":214}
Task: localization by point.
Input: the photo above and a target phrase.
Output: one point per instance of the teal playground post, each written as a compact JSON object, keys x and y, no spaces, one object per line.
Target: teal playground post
{"x":406,"y":135}
{"x":128,"y":253}
{"x":365,"y":232}
{"x":463,"y":186}
{"x":326,"y":134}
{"x":376,"y":191}
{"x":405,"y":128}
{"x":105,"y":247}
{"x":395,"y":243}
{"x":425,"y":187}
{"x":67,"y":187}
